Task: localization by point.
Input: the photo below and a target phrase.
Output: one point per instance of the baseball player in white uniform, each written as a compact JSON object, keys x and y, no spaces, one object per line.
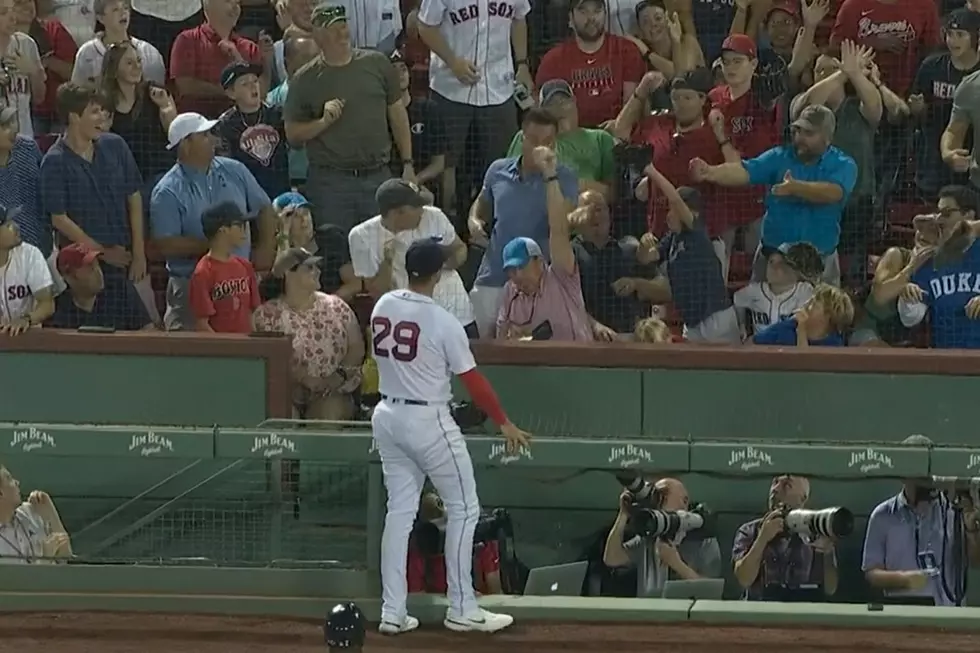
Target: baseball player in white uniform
{"x":472,"y":72}
{"x":26,"y":286}
{"x":418,"y":346}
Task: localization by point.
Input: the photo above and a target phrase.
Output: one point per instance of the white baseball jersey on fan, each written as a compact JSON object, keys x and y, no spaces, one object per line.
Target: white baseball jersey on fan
{"x":367,"y":241}
{"x":478,"y":31}
{"x":764,"y":307}
{"x":418,"y":346}
{"x":373,"y":24}
{"x":25,"y":274}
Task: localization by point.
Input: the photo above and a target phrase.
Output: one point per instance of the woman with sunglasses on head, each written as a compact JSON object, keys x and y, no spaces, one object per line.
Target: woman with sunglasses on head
{"x":141,"y":110}
{"x":677,"y":137}
{"x":328,"y":347}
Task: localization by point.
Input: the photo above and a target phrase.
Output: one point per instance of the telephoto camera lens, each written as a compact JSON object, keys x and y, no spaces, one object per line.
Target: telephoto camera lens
{"x":636,"y":485}
{"x":660,"y":523}
{"x":829,"y":522}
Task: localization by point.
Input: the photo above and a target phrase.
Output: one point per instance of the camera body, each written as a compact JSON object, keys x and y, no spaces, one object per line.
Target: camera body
{"x":647,"y":518}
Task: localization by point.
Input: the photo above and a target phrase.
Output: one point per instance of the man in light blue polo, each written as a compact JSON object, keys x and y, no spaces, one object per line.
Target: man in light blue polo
{"x":197,"y":181}
{"x":515,"y":202}
{"x":910,"y":541}
{"x":809,"y":184}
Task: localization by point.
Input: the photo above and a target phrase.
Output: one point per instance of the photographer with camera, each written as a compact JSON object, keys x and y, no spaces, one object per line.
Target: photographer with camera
{"x":669,"y":542}
{"x":789,"y":553}
{"x":426,"y":559}
{"x":920,"y":541}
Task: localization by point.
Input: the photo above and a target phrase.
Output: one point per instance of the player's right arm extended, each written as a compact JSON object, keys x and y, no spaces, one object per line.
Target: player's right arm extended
{"x":483,"y":396}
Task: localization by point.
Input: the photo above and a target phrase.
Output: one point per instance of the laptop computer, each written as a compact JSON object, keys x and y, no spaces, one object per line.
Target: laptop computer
{"x":703,"y":589}
{"x":556,"y":580}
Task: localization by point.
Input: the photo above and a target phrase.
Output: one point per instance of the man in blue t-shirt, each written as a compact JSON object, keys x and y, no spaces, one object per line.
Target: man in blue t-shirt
{"x":948,"y":287}
{"x":820,"y":323}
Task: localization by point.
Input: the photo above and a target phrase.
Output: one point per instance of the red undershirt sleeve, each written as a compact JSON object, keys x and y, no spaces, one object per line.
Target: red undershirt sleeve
{"x":483,"y":395}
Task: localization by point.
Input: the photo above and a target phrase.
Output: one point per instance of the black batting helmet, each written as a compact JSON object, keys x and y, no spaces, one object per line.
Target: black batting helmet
{"x":344,"y":627}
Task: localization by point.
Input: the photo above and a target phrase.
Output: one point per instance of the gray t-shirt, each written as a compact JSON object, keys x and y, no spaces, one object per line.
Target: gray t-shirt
{"x":703,"y":556}
{"x":966,"y":108}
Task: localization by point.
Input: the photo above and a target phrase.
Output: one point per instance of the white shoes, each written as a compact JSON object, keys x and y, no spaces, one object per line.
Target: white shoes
{"x":391,"y":628}
{"x":483,"y":621}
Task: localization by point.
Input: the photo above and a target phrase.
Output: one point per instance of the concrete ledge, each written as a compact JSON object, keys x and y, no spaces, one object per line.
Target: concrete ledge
{"x":760,"y":613}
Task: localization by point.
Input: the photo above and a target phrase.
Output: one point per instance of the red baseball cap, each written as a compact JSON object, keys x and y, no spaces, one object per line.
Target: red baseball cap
{"x":75,"y":256}
{"x":785,"y":6}
{"x":741,"y":44}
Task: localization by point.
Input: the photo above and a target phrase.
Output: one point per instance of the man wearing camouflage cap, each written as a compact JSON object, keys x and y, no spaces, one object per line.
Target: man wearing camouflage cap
{"x":340,"y":107}
{"x":809,"y":182}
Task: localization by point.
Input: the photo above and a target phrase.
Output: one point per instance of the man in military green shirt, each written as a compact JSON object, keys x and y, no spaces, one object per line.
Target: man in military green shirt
{"x":340,"y":107}
{"x":588,"y":152}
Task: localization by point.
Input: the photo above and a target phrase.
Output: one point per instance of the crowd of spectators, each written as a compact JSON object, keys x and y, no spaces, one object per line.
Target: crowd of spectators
{"x":763,"y":171}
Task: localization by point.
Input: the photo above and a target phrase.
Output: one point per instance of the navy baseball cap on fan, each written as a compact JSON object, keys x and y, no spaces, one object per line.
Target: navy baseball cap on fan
{"x":963,"y":19}
{"x":425,"y":257}
{"x":519,"y":252}
{"x":235,"y":71}
{"x":555,"y":89}
{"x":225,"y":214}
{"x":698,"y":80}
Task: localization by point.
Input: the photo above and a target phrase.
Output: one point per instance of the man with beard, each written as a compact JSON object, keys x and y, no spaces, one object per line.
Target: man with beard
{"x":932,"y":98}
{"x":809,"y":185}
{"x":948,"y":290}
{"x":251,"y":131}
{"x":602,"y":69}
{"x":677,"y":138}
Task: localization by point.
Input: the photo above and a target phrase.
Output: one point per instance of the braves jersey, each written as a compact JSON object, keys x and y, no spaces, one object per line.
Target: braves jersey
{"x":760,"y":306}
{"x":21,"y":279}
{"x":946,"y":293}
{"x":418,"y":346}
{"x":478,"y":31}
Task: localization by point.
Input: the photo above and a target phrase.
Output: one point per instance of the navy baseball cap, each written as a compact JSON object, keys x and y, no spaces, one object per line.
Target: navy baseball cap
{"x":291,"y":198}
{"x":425,"y":257}
{"x":555,"y":89}
{"x":963,"y":19}
{"x":519,"y":252}
{"x":234,"y":71}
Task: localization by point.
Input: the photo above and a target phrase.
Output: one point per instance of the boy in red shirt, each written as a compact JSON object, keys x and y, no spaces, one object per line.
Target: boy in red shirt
{"x":223,"y":289}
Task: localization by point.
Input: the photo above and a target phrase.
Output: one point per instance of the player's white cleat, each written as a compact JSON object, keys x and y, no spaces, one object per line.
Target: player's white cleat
{"x":391,"y":628}
{"x":483,"y":621}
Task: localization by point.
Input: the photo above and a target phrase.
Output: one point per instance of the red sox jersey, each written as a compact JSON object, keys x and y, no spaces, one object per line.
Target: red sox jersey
{"x":21,"y":279}
{"x":478,"y":31}
{"x":418,"y":346}
{"x":760,"y":306}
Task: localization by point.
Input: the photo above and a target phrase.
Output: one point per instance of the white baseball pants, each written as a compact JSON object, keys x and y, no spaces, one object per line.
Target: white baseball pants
{"x":415,"y":442}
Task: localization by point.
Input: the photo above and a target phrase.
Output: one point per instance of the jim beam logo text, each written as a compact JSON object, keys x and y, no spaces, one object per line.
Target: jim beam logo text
{"x":973,"y":462}
{"x":32,"y":439}
{"x":499,"y":453}
{"x":629,"y":456}
{"x":749,"y":458}
{"x":273,"y":445}
{"x":869,"y":459}
{"x":150,"y":444}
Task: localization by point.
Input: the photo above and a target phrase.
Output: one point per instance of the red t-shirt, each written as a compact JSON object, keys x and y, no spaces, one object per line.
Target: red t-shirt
{"x":196,"y":54}
{"x":901,"y":33}
{"x":753,"y":129}
{"x":63,"y":48}
{"x":598,"y":78}
{"x":225,"y":293}
{"x":672,"y":154}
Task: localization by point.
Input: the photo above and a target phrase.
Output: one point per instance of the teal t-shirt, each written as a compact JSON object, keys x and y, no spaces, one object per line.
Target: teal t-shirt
{"x":298,"y":163}
{"x":588,"y":152}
